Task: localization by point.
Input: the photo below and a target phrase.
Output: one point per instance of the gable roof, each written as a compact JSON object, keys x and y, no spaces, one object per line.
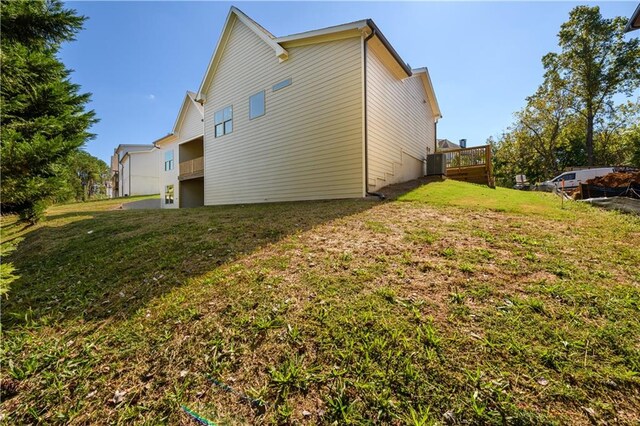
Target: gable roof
{"x":447,"y":144}
{"x":234,"y":15}
{"x":423,"y":73}
{"x":365,"y":27}
{"x":189,"y":99}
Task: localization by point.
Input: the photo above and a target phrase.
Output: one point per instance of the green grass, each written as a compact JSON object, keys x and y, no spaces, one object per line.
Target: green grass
{"x":479,"y":197}
{"x":453,"y":303}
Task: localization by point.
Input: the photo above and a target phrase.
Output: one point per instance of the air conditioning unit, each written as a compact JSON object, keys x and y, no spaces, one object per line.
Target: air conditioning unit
{"x":436,"y":165}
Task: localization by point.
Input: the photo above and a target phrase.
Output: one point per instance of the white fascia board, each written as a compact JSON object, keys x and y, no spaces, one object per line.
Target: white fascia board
{"x":358,"y":26}
{"x":170,"y":137}
{"x":281,"y":53}
{"x":236,"y":14}
{"x":214,"y":56}
{"x":181,"y":113}
{"x":188,"y":99}
{"x":428,"y":86}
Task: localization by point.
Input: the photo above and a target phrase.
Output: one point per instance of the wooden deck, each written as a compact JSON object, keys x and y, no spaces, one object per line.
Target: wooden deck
{"x":470,"y":165}
{"x":191,"y":169}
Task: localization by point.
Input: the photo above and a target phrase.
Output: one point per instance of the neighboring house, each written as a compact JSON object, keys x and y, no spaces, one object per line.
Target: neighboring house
{"x":446,"y":144}
{"x":137,"y":169}
{"x":634,"y":21}
{"x":181,"y":158}
{"x":330,"y":113}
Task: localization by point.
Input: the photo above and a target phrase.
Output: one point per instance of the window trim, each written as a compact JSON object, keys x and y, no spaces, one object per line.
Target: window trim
{"x":223,"y":122}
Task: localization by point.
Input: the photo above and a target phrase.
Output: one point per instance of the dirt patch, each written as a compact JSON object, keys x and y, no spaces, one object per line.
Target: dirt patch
{"x":616,"y":180}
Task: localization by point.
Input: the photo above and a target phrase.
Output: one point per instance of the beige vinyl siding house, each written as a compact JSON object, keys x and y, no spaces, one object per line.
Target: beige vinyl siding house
{"x":308,"y":143}
{"x":400,"y":124}
{"x":181,"y":158}
{"x":325,"y":114}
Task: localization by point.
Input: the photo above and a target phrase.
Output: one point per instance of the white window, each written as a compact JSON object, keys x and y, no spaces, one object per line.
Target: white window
{"x":168,"y":194}
{"x":168,"y":160}
{"x":256,"y":105}
{"x":223,"y":121}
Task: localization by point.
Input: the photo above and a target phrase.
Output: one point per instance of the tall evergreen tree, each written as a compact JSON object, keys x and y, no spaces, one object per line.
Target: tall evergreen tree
{"x":44,"y":120}
{"x":595,"y":62}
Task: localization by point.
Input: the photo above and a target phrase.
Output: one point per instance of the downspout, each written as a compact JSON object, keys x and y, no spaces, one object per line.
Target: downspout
{"x":435,"y":146}
{"x":366,"y":126}
{"x":435,"y":136}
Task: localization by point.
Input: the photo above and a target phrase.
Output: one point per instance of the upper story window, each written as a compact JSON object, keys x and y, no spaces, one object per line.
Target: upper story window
{"x":168,"y":160}
{"x":223,"y":121}
{"x":256,"y":105}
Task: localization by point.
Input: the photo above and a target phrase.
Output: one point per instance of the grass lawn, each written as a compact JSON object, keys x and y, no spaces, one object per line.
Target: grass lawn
{"x":452,"y":304}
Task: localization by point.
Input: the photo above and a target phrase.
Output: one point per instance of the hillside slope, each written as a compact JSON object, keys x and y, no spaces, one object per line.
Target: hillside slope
{"x":454,"y":303}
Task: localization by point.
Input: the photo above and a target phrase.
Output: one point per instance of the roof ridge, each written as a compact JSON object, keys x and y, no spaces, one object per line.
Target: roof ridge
{"x":260,"y":27}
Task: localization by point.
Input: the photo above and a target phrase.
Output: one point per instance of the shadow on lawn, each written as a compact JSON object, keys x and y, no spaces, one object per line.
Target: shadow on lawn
{"x":98,"y":265}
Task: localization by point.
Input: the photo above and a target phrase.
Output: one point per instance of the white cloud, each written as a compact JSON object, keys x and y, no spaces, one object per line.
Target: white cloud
{"x":151,"y":97}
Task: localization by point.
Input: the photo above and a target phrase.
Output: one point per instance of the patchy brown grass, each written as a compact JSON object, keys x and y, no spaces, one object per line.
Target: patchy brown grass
{"x":419,"y":310}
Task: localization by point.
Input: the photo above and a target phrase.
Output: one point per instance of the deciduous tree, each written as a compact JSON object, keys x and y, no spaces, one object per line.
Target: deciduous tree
{"x":595,"y":62}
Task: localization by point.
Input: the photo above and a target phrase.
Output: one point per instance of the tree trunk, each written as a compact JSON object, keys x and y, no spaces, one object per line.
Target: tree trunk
{"x":590,"y":139}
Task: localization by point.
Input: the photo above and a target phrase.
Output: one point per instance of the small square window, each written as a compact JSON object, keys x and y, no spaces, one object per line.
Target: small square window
{"x":256,"y":105}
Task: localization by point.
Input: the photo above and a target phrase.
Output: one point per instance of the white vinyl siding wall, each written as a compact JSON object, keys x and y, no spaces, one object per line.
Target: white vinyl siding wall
{"x":308,"y":145}
{"x":400,"y":125}
{"x":144,"y":172}
{"x":192,"y":125}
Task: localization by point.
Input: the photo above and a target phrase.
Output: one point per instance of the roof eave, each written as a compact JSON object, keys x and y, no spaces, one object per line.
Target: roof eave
{"x":190,"y":97}
{"x":405,"y":67}
{"x":634,"y":21}
{"x":431,"y":94}
{"x":166,"y":137}
{"x":351,"y":26}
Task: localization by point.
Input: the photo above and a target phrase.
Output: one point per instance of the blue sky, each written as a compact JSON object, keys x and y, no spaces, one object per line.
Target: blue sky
{"x":139,"y":58}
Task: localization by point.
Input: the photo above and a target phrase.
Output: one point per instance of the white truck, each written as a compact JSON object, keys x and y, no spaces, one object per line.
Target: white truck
{"x":574,"y":178}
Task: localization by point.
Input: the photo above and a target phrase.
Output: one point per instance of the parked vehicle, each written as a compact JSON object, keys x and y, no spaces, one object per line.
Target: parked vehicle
{"x":522,"y":183}
{"x":573,"y":178}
